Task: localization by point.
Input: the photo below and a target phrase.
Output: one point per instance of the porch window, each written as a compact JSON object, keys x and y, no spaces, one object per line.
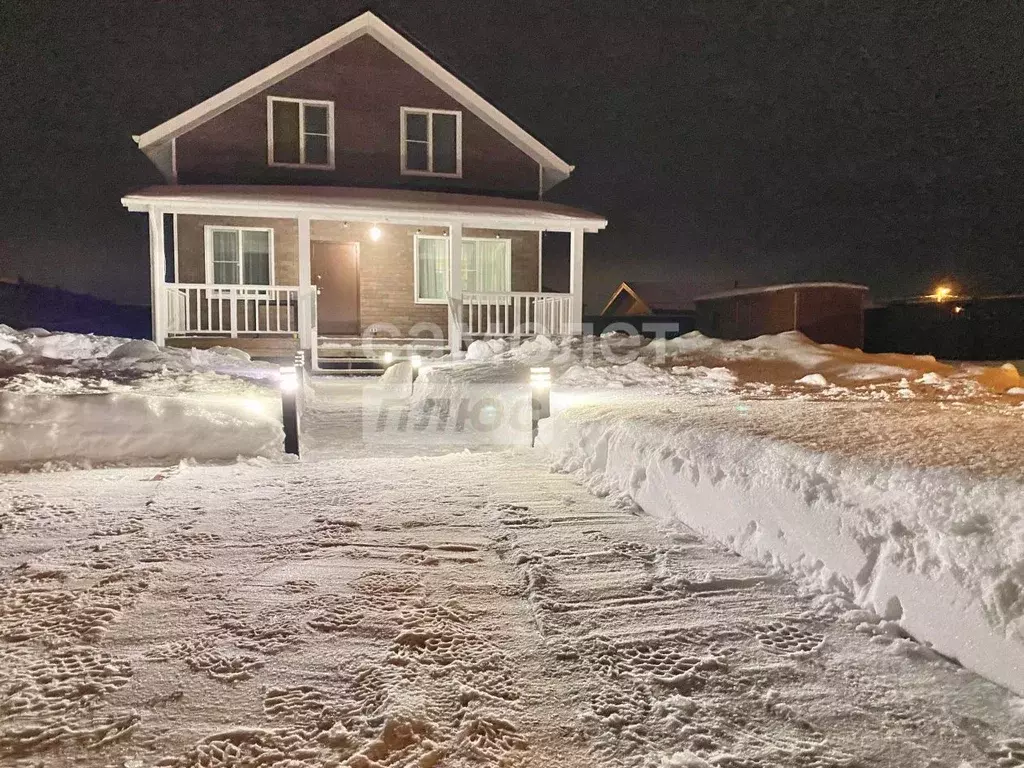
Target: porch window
{"x":486,"y":267}
{"x":300,"y":132}
{"x":239,"y":256}
{"x":431,"y":142}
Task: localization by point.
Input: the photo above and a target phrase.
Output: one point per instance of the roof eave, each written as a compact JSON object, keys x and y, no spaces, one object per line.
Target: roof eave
{"x":384,"y":214}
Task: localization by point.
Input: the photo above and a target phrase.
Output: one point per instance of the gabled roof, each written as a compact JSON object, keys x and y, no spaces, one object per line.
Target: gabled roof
{"x":656,"y":296}
{"x":367,"y":23}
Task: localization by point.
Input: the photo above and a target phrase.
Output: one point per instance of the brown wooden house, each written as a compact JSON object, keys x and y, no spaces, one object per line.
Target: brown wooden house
{"x":828,"y":313}
{"x":354,"y":188}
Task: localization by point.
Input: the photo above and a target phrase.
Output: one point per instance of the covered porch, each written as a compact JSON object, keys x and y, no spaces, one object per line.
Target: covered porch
{"x":323,"y":267}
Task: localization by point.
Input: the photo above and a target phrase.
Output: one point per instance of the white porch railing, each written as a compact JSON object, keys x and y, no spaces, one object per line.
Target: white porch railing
{"x":516,"y":314}
{"x":195,"y":309}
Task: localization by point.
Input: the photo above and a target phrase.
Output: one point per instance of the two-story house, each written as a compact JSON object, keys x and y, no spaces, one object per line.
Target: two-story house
{"x":353,"y":188}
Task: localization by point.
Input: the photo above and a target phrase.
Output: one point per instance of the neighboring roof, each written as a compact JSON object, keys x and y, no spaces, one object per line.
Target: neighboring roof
{"x":658,"y":296}
{"x":773,"y":288}
{"x":363,"y":204}
{"x":365,"y":24}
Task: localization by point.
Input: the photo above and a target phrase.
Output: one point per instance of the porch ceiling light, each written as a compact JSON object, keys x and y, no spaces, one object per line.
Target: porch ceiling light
{"x":375,"y":233}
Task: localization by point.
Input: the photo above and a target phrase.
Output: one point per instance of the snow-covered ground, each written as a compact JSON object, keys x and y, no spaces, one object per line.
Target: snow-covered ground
{"x":413,"y":593}
{"x":896,"y":480}
{"x":458,"y":610}
{"x":72,"y":399}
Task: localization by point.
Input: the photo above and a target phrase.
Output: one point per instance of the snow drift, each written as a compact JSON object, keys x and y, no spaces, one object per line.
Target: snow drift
{"x":131,"y":427}
{"x":77,"y":398}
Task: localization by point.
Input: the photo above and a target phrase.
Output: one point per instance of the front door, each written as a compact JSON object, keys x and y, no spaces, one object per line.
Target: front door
{"x":335,"y":269}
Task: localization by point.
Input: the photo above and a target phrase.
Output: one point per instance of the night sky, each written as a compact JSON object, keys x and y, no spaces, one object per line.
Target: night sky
{"x":867,"y":140}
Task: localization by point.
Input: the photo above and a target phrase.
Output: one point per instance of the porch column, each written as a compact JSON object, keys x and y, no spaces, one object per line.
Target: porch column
{"x":576,"y":278}
{"x":305,"y":313}
{"x":455,"y":287}
{"x":157,"y":268}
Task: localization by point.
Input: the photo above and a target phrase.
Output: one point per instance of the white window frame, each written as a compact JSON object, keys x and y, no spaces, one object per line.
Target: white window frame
{"x":416,"y":263}
{"x":429,"y":113}
{"x":329,"y":166}
{"x":208,"y":231}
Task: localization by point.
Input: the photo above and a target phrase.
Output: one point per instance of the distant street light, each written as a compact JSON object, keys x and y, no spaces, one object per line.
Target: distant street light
{"x":942,"y":293}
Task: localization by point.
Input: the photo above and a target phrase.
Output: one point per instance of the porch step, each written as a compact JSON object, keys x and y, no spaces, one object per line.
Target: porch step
{"x":354,"y":366}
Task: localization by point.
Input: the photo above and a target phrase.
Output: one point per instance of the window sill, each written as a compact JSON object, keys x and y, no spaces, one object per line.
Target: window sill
{"x":431,"y":301}
{"x":457,"y":175}
{"x":305,"y":166}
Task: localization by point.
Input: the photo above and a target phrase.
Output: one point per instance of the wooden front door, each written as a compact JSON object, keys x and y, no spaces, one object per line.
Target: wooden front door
{"x":335,"y":269}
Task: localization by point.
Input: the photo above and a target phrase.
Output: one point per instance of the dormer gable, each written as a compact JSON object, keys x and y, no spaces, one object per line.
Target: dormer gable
{"x":311,"y":117}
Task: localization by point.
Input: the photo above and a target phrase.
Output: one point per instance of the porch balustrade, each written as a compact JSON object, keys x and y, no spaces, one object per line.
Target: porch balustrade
{"x":194,"y":309}
{"x":516,"y":315}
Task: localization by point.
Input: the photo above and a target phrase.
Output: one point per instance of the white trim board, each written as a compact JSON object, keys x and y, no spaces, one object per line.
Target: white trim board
{"x":394,"y":213}
{"x":365,"y":24}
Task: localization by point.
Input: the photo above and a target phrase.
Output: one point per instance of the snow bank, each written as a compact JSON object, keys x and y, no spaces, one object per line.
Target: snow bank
{"x":790,"y":356}
{"x":72,"y":354}
{"x":938,"y":550}
{"x":76,"y":398}
{"x":128,"y":427}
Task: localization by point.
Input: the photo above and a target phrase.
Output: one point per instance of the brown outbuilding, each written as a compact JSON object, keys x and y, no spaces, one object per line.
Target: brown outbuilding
{"x":828,"y":313}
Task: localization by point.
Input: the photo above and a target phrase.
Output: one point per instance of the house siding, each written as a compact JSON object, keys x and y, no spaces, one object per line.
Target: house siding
{"x":368,"y":85}
{"x":386,"y":279}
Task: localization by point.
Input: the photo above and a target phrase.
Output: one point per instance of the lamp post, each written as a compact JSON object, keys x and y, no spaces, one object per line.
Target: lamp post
{"x":540,"y":387}
{"x":289,"y":384}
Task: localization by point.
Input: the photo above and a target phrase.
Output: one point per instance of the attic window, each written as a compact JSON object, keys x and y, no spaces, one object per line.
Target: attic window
{"x":300,"y":133}
{"x":431,"y":142}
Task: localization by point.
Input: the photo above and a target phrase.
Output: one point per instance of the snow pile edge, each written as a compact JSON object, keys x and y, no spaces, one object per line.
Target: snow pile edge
{"x":936,"y":550}
{"x":131,"y":427}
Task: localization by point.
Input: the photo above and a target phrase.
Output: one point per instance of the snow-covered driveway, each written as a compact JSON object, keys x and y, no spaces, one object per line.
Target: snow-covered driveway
{"x":454,"y":610}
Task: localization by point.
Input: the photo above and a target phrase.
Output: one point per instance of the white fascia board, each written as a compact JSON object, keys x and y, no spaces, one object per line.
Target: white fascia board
{"x":365,"y":23}
{"x":285,"y":210}
{"x":254,"y":83}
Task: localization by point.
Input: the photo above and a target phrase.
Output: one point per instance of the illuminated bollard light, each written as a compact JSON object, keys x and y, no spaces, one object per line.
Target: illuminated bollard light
{"x":289,"y":384}
{"x":417,"y":362}
{"x":389,"y":358}
{"x":540,"y":386}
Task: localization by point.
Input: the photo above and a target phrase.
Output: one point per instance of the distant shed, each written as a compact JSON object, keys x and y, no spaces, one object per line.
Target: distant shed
{"x":829,"y":313}
{"x":641,"y":297}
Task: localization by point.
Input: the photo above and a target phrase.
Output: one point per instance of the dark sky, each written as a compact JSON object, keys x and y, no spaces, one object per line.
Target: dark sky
{"x":866,"y":140}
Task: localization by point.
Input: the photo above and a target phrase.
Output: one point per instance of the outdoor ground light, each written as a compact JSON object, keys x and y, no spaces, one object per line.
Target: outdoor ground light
{"x":417,"y":362}
{"x":289,"y":384}
{"x":540,"y":386}
{"x":389,"y":358}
